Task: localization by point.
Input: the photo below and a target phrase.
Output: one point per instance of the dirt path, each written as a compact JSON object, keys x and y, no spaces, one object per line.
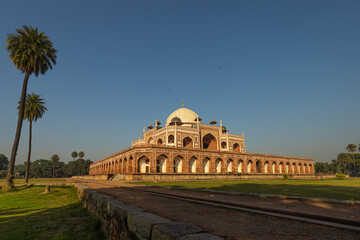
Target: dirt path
{"x":231,"y":224}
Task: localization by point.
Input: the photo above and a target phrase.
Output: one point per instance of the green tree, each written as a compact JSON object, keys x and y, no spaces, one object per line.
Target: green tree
{"x":74,"y":155}
{"x":54,"y":160}
{"x":81,"y":155}
{"x":59,"y":166}
{"x":32,"y":53}
{"x":34,"y":109}
{"x":20,"y":169}
{"x":38,"y":173}
{"x":4,"y":162}
{"x":319,"y":167}
{"x":77,"y":167}
{"x":45,"y":166}
{"x":3,"y":173}
{"x":352,"y":148}
{"x":344,"y":160}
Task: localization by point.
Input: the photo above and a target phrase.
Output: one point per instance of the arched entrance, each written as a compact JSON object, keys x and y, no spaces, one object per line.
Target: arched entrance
{"x":160,"y":141}
{"x":218,"y":165}
{"x":258,"y":166}
{"x":171,"y":139}
{"x":281,"y":167}
{"x":144,"y":165}
{"x":206,"y":165}
{"x":187,"y":142}
{"x":236,"y":147}
{"x":161,"y":162}
{"x":240,"y":164}
{"x":192,"y":165}
{"x":266,"y":167}
{"x":229,"y":165}
{"x":125,"y":165}
{"x":273,"y":167}
{"x":249,"y":166}
{"x":178,"y":164}
{"x":209,"y":142}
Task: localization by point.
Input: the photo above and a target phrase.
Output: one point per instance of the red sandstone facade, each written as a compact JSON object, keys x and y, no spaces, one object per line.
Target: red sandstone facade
{"x":185,"y":145}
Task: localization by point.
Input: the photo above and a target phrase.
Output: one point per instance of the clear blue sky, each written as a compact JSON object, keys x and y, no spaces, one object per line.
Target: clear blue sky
{"x":286,"y":73}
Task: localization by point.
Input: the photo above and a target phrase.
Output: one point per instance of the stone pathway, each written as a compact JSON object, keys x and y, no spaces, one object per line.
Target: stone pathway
{"x":231,"y":224}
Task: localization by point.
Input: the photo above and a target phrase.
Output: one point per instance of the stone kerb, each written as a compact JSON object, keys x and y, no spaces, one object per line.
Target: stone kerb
{"x":120,"y":221}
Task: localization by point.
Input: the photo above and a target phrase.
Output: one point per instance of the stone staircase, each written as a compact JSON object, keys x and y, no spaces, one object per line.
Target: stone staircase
{"x":117,"y":177}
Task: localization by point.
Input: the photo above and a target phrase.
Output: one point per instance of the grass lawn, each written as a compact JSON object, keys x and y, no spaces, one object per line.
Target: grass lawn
{"x":342,"y":189}
{"x":26,"y":213}
{"x":34,"y":180}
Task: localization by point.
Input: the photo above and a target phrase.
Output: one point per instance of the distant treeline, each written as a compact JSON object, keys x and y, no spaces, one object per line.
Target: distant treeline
{"x":44,"y":168}
{"x":344,"y":163}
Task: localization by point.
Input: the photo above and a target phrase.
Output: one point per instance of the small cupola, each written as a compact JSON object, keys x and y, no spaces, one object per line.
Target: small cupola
{"x":224,"y":130}
{"x":213,"y":122}
{"x":198,"y":119}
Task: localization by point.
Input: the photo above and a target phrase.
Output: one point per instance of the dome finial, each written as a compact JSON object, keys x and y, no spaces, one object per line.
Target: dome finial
{"x":183,"y":103}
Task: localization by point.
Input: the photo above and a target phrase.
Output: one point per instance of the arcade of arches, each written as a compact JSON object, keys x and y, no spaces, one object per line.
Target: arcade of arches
{"x":190,"y":161}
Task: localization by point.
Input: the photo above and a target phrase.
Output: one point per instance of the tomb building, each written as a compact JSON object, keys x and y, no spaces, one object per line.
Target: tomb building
{"x":185,"y":145}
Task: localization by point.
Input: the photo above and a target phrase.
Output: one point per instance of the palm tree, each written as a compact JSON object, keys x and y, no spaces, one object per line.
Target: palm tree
{"x":32,"y":53}
{"x":74,"y":155}
{"x":352,"y":148}
{"x":81,"y":154}
{"x":54,"y":159}
{"x":33,"y":110}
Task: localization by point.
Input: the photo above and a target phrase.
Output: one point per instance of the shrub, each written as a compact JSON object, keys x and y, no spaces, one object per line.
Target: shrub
{"x":286,"y":176}
{"x":340,"y":176}
{"x":3,"y":173}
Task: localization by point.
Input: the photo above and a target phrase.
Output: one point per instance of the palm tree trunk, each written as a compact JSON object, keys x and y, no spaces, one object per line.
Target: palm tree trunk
{"x":10,"y":177}
{"x":29,"y":155}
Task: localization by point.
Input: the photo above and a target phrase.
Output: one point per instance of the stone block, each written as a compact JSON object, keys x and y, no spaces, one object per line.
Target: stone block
{"x":173,"y":230}
{"x":112,"y":205}
{"x":140,"y":223}
{"x":200,"y":236}
{"x":120,"y":215}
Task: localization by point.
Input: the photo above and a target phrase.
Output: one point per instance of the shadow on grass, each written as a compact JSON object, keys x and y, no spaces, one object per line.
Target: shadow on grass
{"x":10,"y":211}
{"x":72,"y":221}
{"x":315,"y":191}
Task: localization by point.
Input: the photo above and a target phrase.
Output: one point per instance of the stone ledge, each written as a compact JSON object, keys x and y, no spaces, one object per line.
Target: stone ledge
{"x":141,"y":224}
{"x":174,"y":230}
{"x":200,"y":236}
{"x":120,"y":221}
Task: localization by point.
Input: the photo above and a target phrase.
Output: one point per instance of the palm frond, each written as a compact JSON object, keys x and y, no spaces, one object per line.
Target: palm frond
{"x":31,"y":51}
{"x":34,"y":107}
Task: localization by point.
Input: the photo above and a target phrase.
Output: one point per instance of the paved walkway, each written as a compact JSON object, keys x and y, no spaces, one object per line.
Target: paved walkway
{"x":231,"y":224}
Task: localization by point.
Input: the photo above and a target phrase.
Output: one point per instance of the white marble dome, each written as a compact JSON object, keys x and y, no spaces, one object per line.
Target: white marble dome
{"x":186,"y":116}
